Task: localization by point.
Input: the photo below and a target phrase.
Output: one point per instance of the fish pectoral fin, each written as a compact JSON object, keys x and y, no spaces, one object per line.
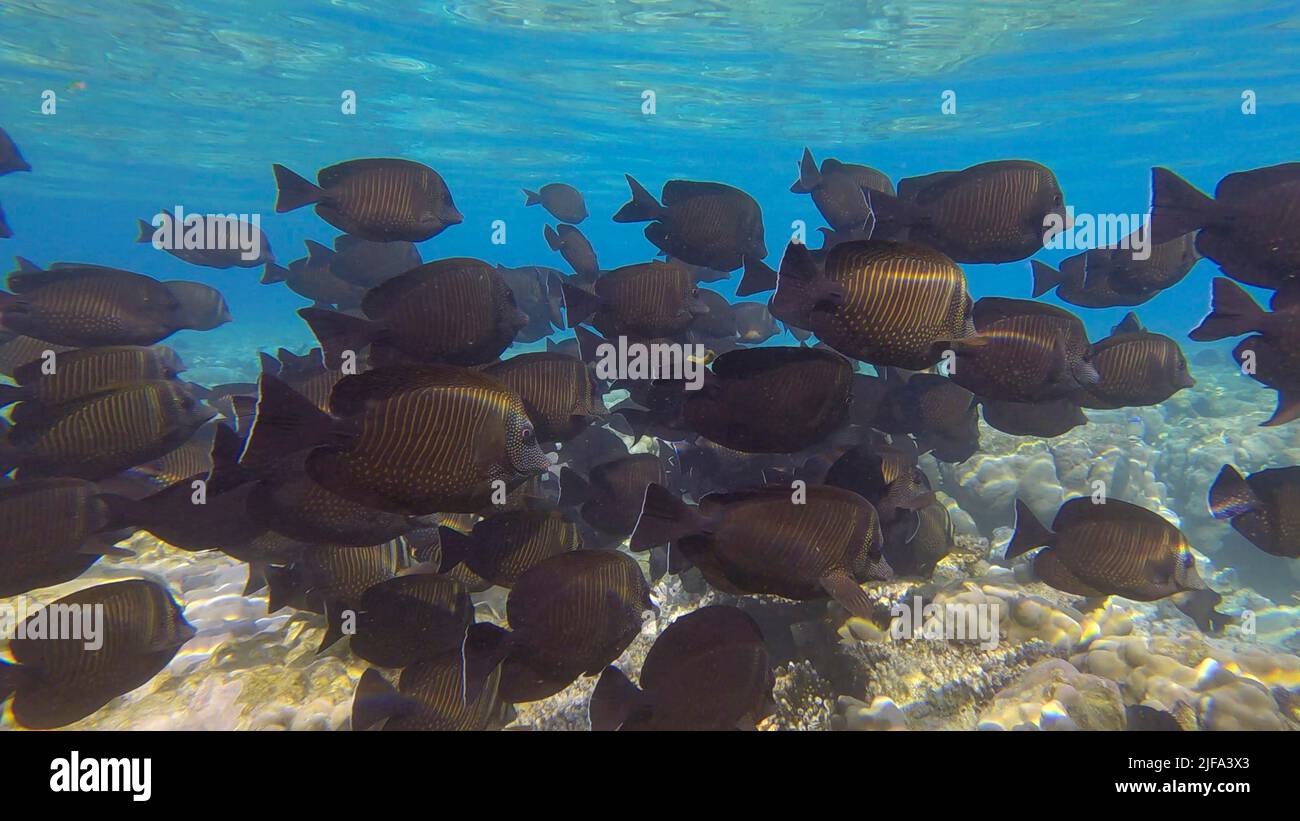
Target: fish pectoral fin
{"x":844,"y":589}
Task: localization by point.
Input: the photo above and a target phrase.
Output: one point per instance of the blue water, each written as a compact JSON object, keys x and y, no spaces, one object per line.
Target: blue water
{"x":189,"y":103}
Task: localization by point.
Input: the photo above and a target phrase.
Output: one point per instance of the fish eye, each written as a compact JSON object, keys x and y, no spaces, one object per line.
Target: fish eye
{"x":526,"y":433}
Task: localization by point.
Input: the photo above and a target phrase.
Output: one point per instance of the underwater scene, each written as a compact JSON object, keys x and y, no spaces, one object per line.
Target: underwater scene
{"x":650,"y":365}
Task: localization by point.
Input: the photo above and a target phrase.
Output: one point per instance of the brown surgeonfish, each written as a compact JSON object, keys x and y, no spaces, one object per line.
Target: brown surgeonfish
{"x":87,"y":305}
{"x":766,"y":540}
{"x":1114,"y":276}
{"x":611,"y":494}
{"x":940,"y":413}
{"x":702,"y":223}
{"x":412,"y":440}
{"x":1264,"y":507}
{"x":558,"y":392}
{"x":531,"y":287}
{"x":11,"y":159}
{"x":1045,"y":420}
{"x":53,"y":533}
{"x":887,"y":303}
{"x":1248,"y":227}
{"x":328,"y":579}
{"x":1116,"y":549}
{"x":88,"y":371}
{"x":315,"y":280}
{"x":839,"y":190}
{"x":885,"y":474}
{"x":914,"y":548}
{"x":1137,"y":368}
{"x":96,"y":437}
{"x":1272,"y":355}
{"x":564,"y":202}
{"x":306,"y":374}
{"x":648,"y":300}
{"x":17,"y":350}
{"x":502,"y":547}
{"x":411,"y":617}
{"x":569,"y":615}
{"x":430,"y":697}
{"x":459,"y":311}
{"x":381,"y":200}
{"x":998,"y":211}
{"x":1032,"y":352}
{"x":772,"y":400}
{"x":576,"y":250}
{"x":365,"y":263}
{"x":708,"y":670}
{"x":223,"y":243}
{"x":137,"y":628}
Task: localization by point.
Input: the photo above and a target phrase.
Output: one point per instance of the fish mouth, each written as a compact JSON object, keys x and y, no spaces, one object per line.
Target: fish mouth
{"x":453,"y":217}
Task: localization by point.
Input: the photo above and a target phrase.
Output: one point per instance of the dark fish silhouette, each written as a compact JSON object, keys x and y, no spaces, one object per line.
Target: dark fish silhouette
{"x":381,"y":200}
{"x":314,"y":279}
{"x":1032,"y":352}
{"x":772,"y":400}
{"x":648,"y":300}
{"x":459,"y":311}
{"x":57,"y":681}
{"x":88,"y":371}
{"x":703,"y":223}
{"x":1137,"y":368}
{"x":914,"y":547}
{"x":224,"y":231}
{"x":763,"y":541}
{"x":1046,"y":420}
{"x":937,"y":411}
{"x":504,"y":546}
{"x":754,"y":323}
{"x":408,"y":618}
{"x":531,"y":287}
{"x":840,"y":190}
{"x":992,"y":212}
{"x":1248,"y":228}
{"x":367,"y":264}
{"x":11,"y":159}
{"x":564,"y":202}
{"x":1119,"y":549}
{"x":886,"y":475}
{"x":96,"y":437}
{"x":88,"y":305}
{"x":558,"y":392}
{"x":306,"y":374}
{"x":886,"y":303}
{"x":429,"y":696}
{"x":709,"y":670}
{"x":1264,"y":507}
{"x":5,"y":231}
{"x":575,"y":248}
{"x":414,"y":440}
{"x":611,"y":495}
{"x":53,"y":533}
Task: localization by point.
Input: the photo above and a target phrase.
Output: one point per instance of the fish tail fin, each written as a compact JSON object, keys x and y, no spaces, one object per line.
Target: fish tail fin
{"x":1199,"y":606}
{"x":579,"y":305}
{"x":273,"y":273}
{"x":456,"y":547}
{"x":531,"y":198}
{"x":574,"y":489}
{"x":664,"y":518}
{"x":292,"y":191}
{"x":10,"y":394}
{"x":376,"y":700}
{"x":146,"y":231}
{"x":338,"y":332}
{"x":1230,"y":495}
{"x":122,"y":511}
{"x":553,"y":240}
{"x":801,"y":287}
{"x":484,"y":648}
{"x":278,"y":582}
{"x":256,"y":578}
{"x":1177,"y":206}
{"x":10,"y":457}
{"x":758,"y":277}
{"x":1232,"y":313}
{"x":1029,"y":532}
{"x":643,"y":207}
{"x":1045,"y":277}
{"x":334,"y":612}
{"x":613,"y":701}
{"x":318,"y":254}
{"x":1288,"y":408}
{"x":809,"y":176}
{"x":285,"y":422}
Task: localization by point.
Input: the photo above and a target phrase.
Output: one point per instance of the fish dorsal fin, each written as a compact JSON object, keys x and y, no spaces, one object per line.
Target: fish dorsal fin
{"x":353,"y":392}
{"x":1082,"y":509}
{"x":1128,"y":325}
{"x":1248,"y":184}
{"x":909,"y":187}
{"x":677,"y":191}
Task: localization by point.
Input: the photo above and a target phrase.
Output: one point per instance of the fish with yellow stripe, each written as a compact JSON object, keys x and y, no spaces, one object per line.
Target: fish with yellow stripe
{"x":460,"y":311}
{"x":649,"y":300}
{"x":56,"y":681}
{"x":558,"y":392}
{"x":414,"y":440}
{"x":96,"y":437}
{"x":1136,"y":368}
{"x":502,"y":547}
{"x":83,"y":305}
{"x":887,"y":303}
{"x":77,"y":374}
{"x":772,"y":540}
{"x":428,"y":696}
{"x":17,"y":350}
{"x":377,"y":199}
{"x":411,"y":617}
{"x":1116,"y":548}
{"x":1264,"y":507}
{"x":998,"y":211}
